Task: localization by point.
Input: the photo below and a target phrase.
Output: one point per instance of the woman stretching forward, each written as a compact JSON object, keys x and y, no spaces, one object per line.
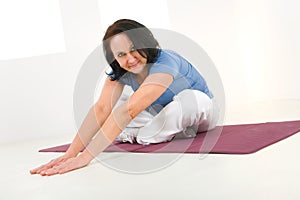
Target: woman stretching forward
{"x":170,"y":98}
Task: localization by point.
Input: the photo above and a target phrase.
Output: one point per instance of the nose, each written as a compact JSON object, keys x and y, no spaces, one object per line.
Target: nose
{"x":130,"y":58}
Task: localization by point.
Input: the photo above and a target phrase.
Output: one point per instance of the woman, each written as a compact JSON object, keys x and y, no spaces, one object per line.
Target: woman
{"x":170,"y":99}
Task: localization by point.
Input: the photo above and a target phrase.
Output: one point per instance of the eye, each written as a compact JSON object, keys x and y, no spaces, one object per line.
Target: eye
{"x":121,"y":54}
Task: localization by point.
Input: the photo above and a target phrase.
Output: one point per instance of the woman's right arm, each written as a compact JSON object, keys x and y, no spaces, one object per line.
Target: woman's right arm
{"x":96,"y":116}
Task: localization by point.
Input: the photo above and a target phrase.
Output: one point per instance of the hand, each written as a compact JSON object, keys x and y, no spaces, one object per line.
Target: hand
{"x":66,"y":166}
{"x":50,"y":164}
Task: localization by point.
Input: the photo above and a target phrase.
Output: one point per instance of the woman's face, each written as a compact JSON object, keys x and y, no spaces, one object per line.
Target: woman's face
{"x":126,"y":54}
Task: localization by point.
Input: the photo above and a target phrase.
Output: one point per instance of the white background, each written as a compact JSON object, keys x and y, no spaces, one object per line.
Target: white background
{"x":254,"y":45}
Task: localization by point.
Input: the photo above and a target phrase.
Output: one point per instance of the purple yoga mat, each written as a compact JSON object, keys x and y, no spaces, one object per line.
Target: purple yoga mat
{"x":232,"y":139}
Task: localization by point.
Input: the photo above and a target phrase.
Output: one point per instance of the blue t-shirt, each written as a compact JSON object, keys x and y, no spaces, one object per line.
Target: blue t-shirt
{"x":184,"y":73}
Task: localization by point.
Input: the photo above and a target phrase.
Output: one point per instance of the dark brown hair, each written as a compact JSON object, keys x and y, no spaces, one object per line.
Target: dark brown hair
{"x":142,"y":39}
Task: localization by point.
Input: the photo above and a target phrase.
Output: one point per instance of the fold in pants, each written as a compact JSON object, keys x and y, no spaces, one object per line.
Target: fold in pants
{"x":191,"y":111}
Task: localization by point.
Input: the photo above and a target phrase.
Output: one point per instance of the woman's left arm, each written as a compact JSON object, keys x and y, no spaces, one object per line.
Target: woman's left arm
{"x":150,"y":90}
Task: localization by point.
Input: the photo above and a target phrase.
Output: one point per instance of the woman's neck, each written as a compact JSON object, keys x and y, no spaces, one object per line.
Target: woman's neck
{"x":140,"y":77}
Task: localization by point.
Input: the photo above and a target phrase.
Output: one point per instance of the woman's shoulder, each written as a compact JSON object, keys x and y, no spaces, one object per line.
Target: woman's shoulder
{"x":167,"y":55}
{"x":168,"y":52}
{"x":167,"y":62}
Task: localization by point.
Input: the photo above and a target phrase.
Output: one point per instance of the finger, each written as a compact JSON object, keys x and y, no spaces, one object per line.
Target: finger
{"x":33,"y":171}
{"x":41,"y":168}
{"x":62,"y":167}
{"x":36,"y":170}
{"x":49,"y":165}
{"x":49,"y":172}
{"x":54,"y":170}
{"x":45,"y":167}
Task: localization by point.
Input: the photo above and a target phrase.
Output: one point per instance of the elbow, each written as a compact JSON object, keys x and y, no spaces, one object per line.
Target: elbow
{"x":126,"y":111}
{"x":132,"y":112}
{"x":122,"y":116}
{"x":135,"y":107}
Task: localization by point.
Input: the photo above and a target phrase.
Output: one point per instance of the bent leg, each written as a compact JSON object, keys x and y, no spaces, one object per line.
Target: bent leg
{"x":189,"y":112}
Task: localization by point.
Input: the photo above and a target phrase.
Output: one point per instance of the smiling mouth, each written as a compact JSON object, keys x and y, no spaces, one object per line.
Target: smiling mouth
{"x":134,"y":65}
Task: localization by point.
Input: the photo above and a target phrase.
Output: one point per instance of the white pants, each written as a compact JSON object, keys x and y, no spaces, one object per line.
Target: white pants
{"x":191,"y":111}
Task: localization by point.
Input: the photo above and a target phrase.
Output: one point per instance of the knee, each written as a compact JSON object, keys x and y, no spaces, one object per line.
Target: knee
{"x":193,"y":101}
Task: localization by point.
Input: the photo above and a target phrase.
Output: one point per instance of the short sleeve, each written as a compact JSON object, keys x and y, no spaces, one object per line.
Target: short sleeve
{"x":168,"y":67}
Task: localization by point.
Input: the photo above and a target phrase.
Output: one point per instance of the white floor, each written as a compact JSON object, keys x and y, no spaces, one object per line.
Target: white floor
{"x":272,"y":173}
